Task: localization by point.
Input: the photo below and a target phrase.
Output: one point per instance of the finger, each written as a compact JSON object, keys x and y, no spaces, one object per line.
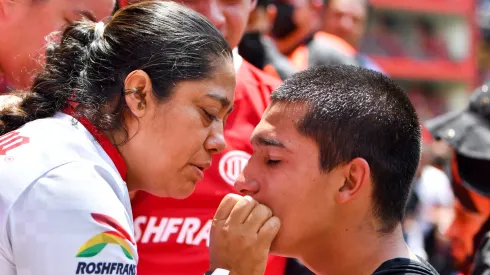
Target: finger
{"x":269,"y":230}
{"x":225,"y":207}
{"x":242,"y":209}
{"x":258,"y":217}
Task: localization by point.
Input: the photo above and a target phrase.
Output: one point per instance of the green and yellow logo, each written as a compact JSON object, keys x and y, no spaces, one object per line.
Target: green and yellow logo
{"x":97,"y":243}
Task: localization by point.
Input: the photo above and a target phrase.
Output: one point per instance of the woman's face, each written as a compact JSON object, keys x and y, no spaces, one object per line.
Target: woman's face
{"x":171,"y":142}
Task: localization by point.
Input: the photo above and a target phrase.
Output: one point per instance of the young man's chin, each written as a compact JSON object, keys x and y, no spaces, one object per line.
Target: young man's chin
{"x":281,"y":248}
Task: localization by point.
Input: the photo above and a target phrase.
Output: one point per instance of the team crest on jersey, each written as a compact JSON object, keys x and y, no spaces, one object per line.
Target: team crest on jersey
{"x":232,"y":164}
{"x":11,"y":141}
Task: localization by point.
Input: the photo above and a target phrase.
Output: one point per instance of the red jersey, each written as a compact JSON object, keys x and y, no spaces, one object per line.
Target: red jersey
{"x":172,"y":235}
{"x":3,"y":83}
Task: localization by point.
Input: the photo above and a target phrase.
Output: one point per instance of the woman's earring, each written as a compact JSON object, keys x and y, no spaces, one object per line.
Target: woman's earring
{"x":141,"y":95}
{"x":141,"y":106}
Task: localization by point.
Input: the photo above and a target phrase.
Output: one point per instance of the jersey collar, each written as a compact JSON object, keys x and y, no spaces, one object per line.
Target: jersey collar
{"x":103,"y":141}
{"x":237,"y":59}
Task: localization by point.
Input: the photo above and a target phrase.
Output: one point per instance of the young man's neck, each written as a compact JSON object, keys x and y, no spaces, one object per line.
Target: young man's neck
{"x":355,"y":252}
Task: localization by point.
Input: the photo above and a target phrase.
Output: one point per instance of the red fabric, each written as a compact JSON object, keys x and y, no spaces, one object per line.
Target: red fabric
{"x":3,"y":84}
{"x":123,"y":3}
{"x":104,"y":142}
{"x":172,"y":234}
{"x":426,"y":136}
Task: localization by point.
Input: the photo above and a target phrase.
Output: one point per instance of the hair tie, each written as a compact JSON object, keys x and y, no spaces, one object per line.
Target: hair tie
{"x":99,"y":30}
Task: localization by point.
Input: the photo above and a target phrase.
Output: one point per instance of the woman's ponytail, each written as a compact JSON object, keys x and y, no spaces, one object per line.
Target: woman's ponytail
{"x":57,"y":83}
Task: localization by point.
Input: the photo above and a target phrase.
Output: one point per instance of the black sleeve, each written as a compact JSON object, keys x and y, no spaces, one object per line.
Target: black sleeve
{"x":294,"y":267}
{"x":481,"y":263}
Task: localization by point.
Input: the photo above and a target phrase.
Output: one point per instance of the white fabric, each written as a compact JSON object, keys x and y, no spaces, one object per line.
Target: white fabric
{"x":49,"y":189}
{"x":433,"y":190}
{"x":237,"y":59}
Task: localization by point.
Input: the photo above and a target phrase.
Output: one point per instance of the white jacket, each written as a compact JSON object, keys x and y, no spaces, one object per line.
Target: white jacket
{"x":64,"y":207}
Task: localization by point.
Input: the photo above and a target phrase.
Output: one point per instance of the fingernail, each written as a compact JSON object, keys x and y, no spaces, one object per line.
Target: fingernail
{"x":248,"y":198}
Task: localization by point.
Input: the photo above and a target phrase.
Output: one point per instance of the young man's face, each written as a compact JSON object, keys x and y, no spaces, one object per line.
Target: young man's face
{"x":229,"y":16}
{"x":284,"y":174}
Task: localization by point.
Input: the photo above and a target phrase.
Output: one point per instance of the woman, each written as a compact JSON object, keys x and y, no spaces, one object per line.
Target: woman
{"x":138,"y":103}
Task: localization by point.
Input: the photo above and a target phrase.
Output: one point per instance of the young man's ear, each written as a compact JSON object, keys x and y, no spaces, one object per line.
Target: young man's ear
{"x":357,"y":174}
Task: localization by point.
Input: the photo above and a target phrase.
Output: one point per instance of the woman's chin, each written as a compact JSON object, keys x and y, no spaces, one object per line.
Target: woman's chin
{"x":183,"y":190}
{"x":175,"y":190}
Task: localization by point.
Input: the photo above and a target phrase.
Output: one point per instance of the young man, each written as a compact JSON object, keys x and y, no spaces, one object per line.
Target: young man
{"x":173,"y":235}
{"x":334,"y":158}
{"x":25,"y":24}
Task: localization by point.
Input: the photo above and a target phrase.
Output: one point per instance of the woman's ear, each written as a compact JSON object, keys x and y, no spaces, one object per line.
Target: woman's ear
{"x":137,"y":92}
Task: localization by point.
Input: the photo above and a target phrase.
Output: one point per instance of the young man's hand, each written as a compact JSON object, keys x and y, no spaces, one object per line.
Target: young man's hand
{"x":241,"y":235}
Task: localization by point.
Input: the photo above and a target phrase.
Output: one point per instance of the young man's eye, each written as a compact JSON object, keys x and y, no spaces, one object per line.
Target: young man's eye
{"x":209,"y":115}
{"x":272,"y":162}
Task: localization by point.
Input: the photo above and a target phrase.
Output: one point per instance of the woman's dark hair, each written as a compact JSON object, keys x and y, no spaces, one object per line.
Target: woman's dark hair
{"x":88,"y":66}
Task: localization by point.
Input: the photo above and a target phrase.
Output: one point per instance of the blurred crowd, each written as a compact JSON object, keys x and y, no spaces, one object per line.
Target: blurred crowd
{"x":444,"y":223}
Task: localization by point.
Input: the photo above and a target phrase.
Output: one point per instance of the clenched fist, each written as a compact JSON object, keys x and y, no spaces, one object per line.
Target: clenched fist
{"x":241,"y":235}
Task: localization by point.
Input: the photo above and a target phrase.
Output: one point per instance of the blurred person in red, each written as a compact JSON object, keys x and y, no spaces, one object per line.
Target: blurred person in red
{"x":25,"y":24}
{"x":468,"y":226}
{"x":296,"y":32}
{"x":173,"y":235}
{"x":258,"y":49}
{"x":468,"y":133}
{"x":347,"y":19}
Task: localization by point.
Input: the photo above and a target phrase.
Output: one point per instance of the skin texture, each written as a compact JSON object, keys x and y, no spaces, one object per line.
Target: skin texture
{"x":284,"y":174}
{"x":229,"y":16}
{"x":346,"y":19}
{"x":25,"y":24}
{"x":196,"y":111}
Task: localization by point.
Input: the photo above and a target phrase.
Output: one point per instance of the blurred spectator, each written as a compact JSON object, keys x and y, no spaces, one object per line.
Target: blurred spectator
{"x":432,"y":199}
{"x":427,"y":100}
{"x":383,"y":38}
{"x":461,"y":233}
{"x":468,"y":133}
{"x":296,"y":33}
{"x":24,"y":26}
{"x":427,"y":43}
{"x":347,"y":19}
{"x":258,"y":49}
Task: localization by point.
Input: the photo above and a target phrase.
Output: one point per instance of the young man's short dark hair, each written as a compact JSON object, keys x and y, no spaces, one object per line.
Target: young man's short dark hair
{"x":355,"y":112}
